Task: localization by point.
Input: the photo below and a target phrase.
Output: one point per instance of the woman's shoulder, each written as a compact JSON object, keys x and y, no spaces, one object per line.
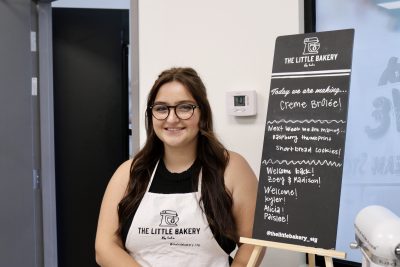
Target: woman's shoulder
{"x":236,"y":161}
{"x":238,"y":171}
{"x":125,"y":166}
{"x":121,"y":175}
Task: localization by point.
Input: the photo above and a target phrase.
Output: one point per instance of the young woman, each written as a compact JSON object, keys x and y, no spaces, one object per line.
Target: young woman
{"x":184,"y":200}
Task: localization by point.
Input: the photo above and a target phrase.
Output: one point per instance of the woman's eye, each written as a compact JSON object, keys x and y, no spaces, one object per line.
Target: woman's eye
{"x":160,"y":108}
{"x":184,"y":107}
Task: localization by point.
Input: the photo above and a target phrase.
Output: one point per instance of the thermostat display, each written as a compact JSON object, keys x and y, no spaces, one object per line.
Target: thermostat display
{"x":239,"y":100}
{"x":241,"y":103}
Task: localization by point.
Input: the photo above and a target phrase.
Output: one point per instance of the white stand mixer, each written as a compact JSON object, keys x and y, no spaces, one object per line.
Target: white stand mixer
{"x":377,"y":234}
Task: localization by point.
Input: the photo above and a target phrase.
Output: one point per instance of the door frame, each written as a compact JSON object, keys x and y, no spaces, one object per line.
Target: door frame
{"x":47,"y":155}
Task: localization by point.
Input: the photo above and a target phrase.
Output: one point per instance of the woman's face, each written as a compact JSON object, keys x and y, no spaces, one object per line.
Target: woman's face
{"x":173,"y":131}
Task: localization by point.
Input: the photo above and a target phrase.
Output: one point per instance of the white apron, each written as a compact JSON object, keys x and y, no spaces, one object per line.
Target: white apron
{"x":171,"y":230}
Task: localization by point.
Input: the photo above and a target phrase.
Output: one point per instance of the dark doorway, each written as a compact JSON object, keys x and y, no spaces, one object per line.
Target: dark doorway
{"x":90,"y":120}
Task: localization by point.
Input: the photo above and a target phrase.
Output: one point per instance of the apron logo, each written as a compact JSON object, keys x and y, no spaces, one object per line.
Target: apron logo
{"x":169,"y":218}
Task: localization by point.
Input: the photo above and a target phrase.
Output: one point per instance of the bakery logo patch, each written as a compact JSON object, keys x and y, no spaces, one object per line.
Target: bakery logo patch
{"x":311,"y":46}
{"x":169,"y":218}
{"x":168,"y":228}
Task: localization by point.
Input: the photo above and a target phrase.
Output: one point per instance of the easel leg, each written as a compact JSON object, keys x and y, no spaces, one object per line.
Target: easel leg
{"x":311,"y":260}
{"x":328,"y":261}
{"x":254,"y":256}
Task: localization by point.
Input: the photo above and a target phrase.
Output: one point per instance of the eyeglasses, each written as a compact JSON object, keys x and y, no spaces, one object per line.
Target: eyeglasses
{"x":182,"y":111}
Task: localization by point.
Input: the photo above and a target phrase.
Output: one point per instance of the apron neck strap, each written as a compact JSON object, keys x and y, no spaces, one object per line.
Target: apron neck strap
{"x":199,"y":182}
{"x":152,"y":176}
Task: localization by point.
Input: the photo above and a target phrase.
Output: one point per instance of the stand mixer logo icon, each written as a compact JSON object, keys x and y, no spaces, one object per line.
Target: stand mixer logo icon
{"x":311,"y":46}
{"x":169,"y":218}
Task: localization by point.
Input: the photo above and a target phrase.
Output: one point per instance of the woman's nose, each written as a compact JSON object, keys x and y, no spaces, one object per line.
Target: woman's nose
{"x":172,"y":115}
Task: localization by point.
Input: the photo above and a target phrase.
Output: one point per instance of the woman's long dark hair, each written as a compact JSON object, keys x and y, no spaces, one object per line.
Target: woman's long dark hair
{"x":211,"y":154}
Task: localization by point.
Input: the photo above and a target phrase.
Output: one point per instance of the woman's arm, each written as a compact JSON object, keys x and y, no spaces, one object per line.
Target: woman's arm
{"x":110,"y":251}
{"x":242,"y":183}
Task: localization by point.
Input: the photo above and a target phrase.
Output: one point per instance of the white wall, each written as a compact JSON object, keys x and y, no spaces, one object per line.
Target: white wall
{"x":231,"y":44}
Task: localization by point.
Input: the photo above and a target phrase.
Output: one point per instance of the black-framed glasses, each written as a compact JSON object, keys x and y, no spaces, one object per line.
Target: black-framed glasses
{"x":183,"y":111}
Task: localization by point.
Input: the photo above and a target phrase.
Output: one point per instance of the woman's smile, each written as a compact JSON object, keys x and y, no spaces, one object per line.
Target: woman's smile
{"x":174,"y":129}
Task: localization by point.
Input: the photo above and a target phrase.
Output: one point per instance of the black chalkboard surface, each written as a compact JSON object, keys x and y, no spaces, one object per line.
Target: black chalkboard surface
{"x":302,"y":159}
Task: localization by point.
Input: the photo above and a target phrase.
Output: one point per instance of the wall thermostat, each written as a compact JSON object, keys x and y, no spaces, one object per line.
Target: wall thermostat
{"x":241,"y":103}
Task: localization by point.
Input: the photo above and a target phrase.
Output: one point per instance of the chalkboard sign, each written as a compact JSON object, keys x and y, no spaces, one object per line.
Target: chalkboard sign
{"x":302,"y":159}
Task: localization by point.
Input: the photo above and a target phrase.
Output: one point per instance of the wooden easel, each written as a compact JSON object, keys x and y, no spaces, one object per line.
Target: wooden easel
{"x":260,"y":244}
